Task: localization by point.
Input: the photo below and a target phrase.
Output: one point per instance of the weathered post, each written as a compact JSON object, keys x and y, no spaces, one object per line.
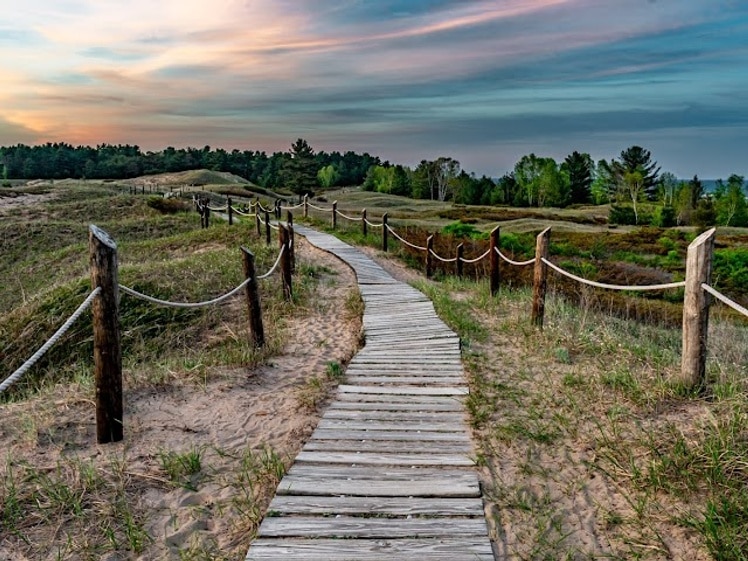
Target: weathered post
{"x":696,"y":310}
{"x":277,"y":209}
{"x":106,"y":337}
{"x":385,"y":233}
{"x":306,"y":206}
{"x":429,"y":256}
{"x":363,"y":222}
{"x":256,"y":330}
{"x":334,"y":214}
{"x":267,"y":227}
{"x":291,"y":241}
{"x":230,"y":210}
{"x":257,"y":221}
{"x":285,"y":261}
{"x":493,"y":259}
{"x":460,"y":253}
{"x":540,"y":277}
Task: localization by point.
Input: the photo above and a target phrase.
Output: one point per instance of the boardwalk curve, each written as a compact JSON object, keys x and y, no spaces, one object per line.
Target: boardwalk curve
{"x":387,"y":474}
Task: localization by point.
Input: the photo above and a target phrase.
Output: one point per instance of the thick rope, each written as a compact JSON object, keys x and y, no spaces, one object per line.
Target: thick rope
{"x":374,"y":225}
{"x":442,"y":259}
{"x":406,"y":242}
{"x":218,"y":300}
{"x":262,"y":208}
{"x":479,"y":258}
{"x":241,"y":213}
{"x":319,"y":208}
{"x":613,"y":286}
{"x":292,"y":207}
{"x":218,"y":208}
{"x":10,"y":380}
{"x":512,"y":262}
{"x":725,"y":300}
{"x":351,"y":218}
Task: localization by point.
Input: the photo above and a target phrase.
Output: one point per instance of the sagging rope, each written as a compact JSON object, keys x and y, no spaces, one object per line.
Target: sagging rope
{"x":352,"y":219}
{"x":292,"y":207}
{"x":406,"y":242}
{"x":442,"y":259}
{"x":319,"y":208}
{"x":218,"y":300}
{"x":374,"y":225}
{"x":725,"y":300}
{"x":218,"y":209}
{"x":512,"y":262}
{"x":241,"y":213}
{"x":664,"y":286}
{"x":479,"y":258}
{"x":20,"y":371}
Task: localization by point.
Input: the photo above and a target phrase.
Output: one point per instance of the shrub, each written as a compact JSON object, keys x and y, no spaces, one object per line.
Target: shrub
{"x":460,"y":229}
{"x":168,"y":205}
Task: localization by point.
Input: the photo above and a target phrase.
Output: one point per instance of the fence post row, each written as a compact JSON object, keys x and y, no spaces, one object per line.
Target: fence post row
{"x":460,"y":253}
{"x":285,"y":261}
{"x":493,"y":260}
{"x":385,"y":232}
{"x":429,"y":257}
{"x":334,"y":214}
{"x":291,"y":241}
{"x":256,"y":330}
{"x":540,"y":277}
{"x":363,"y":222}
{"x":696,"y":310}
{"x":106,"y":336}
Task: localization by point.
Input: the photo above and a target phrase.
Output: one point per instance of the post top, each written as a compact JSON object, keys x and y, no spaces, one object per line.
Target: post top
{"x":102,"y":236}
{"x":704,"y":237}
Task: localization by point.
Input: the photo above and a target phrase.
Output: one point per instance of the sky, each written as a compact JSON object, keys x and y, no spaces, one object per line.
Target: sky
{"x":485,"y":82}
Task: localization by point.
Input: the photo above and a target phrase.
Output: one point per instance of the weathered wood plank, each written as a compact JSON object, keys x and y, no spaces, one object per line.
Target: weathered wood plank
{"x":384,"y":459}
{"x":284,"y":505}
{"x":472,"y":549}
{"x":419,"y":436}
{"x":413,"y":390}
{"x":390,"y":446}
{"x":412,"y":406}
{"x":359,"y":527}
{"x":432,"y":487}
{"x":407,"y":416}
{"x":409,"y":426}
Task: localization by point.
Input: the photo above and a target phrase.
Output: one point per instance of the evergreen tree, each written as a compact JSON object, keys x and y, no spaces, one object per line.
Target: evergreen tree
{"x":300,"y":169}
{"x":579,"y":168}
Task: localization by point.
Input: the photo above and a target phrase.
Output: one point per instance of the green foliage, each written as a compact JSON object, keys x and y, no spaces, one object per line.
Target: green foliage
{"x":579,"y":170}
{"x":664,"y":217}
{"x":461,"y":230}
{"x":730,"y":203}
{"x":327,"y":176}
{"x":167,"y":205}
{"x":300,"y":169}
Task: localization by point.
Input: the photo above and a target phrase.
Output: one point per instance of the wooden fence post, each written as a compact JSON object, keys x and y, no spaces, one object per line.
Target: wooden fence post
{"x":334,"y":214}
{"x":256,"y":330}
{"x":291,"y":241}
{"x":267,"y":227}
{"x":540,"y":277}
{"x":696,"y":310}
{"x":106,"y":337}
{"x":285,"y":261}
{"x":231,"y":211}
{"x":493,"y":259}
{"x":363,"y":222}
{"x":207,"y":213}
{"x":429,"y":257}
{"x":385,"y":232}
{"x":257,"y":221}
{"x":306,"y":206}
{"x":460,"y":253}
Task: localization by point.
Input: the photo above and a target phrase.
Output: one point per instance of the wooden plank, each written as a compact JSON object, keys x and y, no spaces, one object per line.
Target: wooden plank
{"x":412,"y":407}
{"x":467,"y":549}
{"x":456,"y":390}
{"x":384,"y":459}
{"x":284,"y":505}
{"x":390,"y":446}
{"x":433,"y":487}
{"x":402,"y":380}
{"x":407,"y":416}
{"x":410,"y":426}
{"x":418,"y":436}
{"x":379,"y":528}
{"x":399,"y":399}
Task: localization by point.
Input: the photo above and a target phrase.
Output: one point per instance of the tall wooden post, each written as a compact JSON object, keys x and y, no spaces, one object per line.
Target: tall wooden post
{"x":106,"y":335}
{"x":207,"y":213}
{"x":256,"y":330}
{"x":363,"y":222}
{"x":291,"y":241}
{"x":257,"y":221}
{"x":385,"y":232}
{"x":306,"y":206}
{"x":231,"y":211}
{"x":267,"y":227}
{"x":334,"y":214}
{"x":540,"y":277}
{"x":285,"y":262}
{"x":460,"y":253}
{"x":493,"y":259}
{"x":696,"y":310}
{"x":429,"y":256}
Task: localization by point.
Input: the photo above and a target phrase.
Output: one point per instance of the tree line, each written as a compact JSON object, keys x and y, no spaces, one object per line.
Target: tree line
{"x":633,"y":184}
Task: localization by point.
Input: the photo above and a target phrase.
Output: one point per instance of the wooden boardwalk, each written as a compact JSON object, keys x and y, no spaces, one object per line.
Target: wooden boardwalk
{"x":387,"y":474}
